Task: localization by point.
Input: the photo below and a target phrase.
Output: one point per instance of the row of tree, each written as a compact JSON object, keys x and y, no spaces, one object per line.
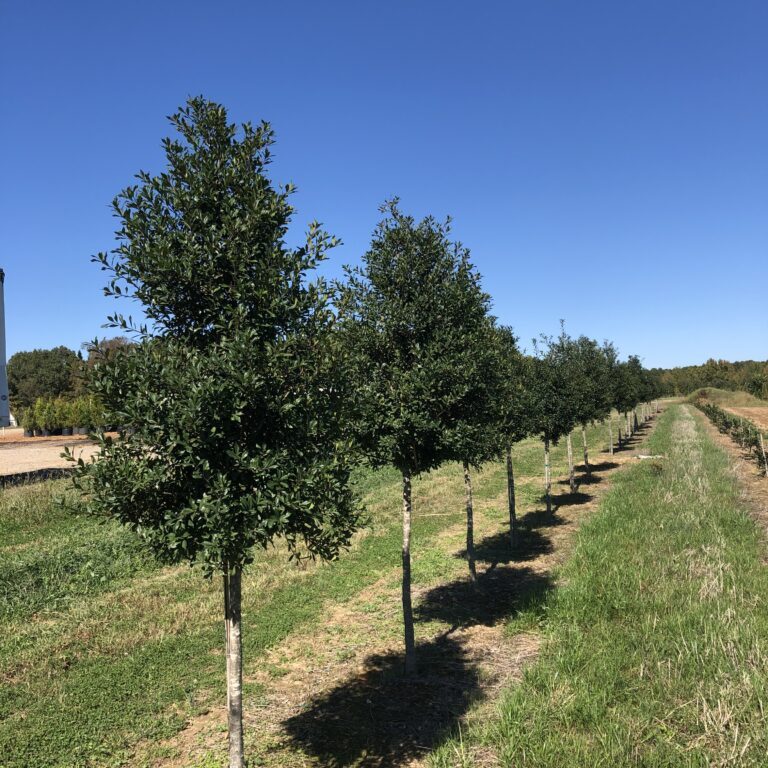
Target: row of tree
{"x":62,"y":415}
{"x":747,"y":434}
{"x":253,"y":392}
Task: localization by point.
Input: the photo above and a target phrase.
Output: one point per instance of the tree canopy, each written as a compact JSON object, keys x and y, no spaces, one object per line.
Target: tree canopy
{"x":234,"y":390}
{"x":40,"y":373}
{"x":413,"y":314}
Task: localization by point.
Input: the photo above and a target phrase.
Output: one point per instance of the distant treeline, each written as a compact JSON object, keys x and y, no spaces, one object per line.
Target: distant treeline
{"x":54,"y":373}
{"x":746,"y":375}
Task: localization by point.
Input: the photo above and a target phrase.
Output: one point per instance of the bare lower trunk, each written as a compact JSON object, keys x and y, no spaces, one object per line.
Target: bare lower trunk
{"x":586,"y":449}
{"x":470,"y":523}
{"x":635,"y":425}
{"x":610,"y":435}
{"x":629,"y":424}
{"x":410,"y":642}
{"x":547,"y":476}
{"x":762,"y":449}
{"x":511,"y":499}
{"x":571,"y":472}
{"x":620,"y":438}
{"x":234,"y":667}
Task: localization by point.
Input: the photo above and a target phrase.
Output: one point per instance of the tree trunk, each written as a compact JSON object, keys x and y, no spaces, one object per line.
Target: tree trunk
{"x":511,"y":499}
{"x":762,"y":448}
{"x":410,"y":642}
{"x":547,"y":476}
{"x":470,"y":523}
{"x":635,"y":424}
{"x":234,"y":667}
{"x":610,"y":435}
{"x":629,"y":425}
{"x":586,"y":449}
{"x":571,"y":472}
{"x":619,"y":434}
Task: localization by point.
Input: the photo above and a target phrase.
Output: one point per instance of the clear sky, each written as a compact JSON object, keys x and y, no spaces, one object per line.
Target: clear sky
{"x":605,"y":162}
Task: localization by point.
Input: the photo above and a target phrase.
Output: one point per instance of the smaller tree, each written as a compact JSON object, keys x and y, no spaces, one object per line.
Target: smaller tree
{"x":625,"y":391}
{"x":591,"y":390}
{"x":474,"y":426}
{"x":515,"y":411}
{"x":409,"y":315}
{"x":552,"y":409}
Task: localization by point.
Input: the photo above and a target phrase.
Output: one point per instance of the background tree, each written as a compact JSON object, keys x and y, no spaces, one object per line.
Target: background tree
{"x":637,"y":388}
{"x":613,"y":382}
{"x":40,"y":373}
{"x":514,"y":410}
{"x":474,"y":430}
{"x":591,"y":390}
{"x":407,"y":312}
{"x":551,"y":403}
{"x":233,"y":391}
{"x":625,"y":392}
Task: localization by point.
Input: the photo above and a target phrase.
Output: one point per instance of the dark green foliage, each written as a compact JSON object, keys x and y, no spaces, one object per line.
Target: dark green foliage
{"x":490,"y":395}
{"x":591,"y":382}
{"x":627,"y":384}
{"x":40,"y":373}
{"x":515,"y":409}
{"x":550,"y":386}
{"x":234,"y":390}
{"x":415,"y":316}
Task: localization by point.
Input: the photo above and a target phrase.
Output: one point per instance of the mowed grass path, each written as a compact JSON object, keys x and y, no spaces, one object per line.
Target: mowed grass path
{"x":101,"y":650}
{"x":656,"y":649}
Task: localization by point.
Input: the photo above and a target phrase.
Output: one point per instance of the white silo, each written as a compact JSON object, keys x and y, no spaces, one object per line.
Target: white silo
{"x":5,"y":408}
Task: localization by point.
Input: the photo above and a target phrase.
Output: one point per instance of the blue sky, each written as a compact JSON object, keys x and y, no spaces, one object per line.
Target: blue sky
{"x":605,"y":162}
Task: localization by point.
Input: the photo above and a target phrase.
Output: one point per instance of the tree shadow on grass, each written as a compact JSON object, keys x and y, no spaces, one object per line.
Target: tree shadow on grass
{"x":378,"y":717}
{"x":591,"y":479}
{"x":496,"y":549}
{"x":604,"y":466}
{"x":499,"y":593}
{"x":570,"y":499}
{"x":540,"y":518}
{"x":633,"y":442}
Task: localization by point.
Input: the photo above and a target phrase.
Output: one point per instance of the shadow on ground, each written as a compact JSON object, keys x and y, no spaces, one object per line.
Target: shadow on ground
{"x":603,"y":466}
{"x":584,"y":479}
{"x":379,"y":718}
{"x":499,"y":593}
{"x":496,"y":549}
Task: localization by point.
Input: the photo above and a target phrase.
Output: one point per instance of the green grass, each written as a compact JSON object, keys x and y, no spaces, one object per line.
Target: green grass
{"x":657,"y":643}
{"x":101,"y":649}
{"x":726,"y":398}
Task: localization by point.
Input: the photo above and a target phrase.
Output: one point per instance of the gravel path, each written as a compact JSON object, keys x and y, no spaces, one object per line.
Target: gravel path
{"x":20,"y":454}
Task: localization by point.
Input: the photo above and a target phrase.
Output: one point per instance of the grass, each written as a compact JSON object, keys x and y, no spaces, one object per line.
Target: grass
{"x":726,"y":398}
{"x":657,"y":642}
{"x":102,"y":650}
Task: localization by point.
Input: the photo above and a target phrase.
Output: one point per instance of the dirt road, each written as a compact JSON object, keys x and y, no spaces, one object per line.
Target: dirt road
{"x":30,"y":454}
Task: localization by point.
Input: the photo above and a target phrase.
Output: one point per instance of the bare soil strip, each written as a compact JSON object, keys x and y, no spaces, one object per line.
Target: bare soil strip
{"x":336,"y":696}
{"x":757,"y":415}
{"x":31,"y":454}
